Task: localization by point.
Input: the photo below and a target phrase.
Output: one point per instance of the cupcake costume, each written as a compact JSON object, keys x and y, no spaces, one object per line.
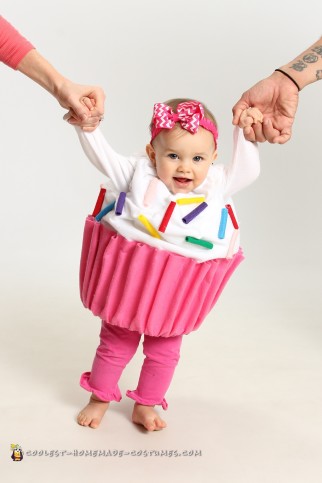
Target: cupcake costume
{"x":154,"y":262}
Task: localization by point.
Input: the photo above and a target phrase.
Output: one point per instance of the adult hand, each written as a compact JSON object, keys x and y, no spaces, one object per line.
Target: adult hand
{"x":68,"y":94}
{"x":277,"y":98}
{"x":85,"y":102}
{"x":88,"y":124}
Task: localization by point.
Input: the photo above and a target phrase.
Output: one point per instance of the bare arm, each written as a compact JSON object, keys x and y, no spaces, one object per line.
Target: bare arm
{"x":68,"y":94}
{"x":87,"y":102}
{"x":307,"y":67}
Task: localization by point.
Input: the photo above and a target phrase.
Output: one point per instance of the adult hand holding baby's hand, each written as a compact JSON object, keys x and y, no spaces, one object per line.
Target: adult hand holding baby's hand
{"x":90,"y":123}
{"x":251,"y":120}
{"x":250,"y":116}
{"x":277,"y":98}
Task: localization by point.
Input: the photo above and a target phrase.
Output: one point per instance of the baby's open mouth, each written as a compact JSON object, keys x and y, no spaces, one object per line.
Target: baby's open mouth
{"x":182,"y":180}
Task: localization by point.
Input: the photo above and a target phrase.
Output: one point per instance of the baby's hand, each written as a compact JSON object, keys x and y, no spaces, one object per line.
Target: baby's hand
{"x":250,"y":116}
{"x":91,"y":123}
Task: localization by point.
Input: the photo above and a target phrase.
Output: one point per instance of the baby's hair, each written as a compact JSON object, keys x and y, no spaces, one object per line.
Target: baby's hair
{"x":173,"y":103}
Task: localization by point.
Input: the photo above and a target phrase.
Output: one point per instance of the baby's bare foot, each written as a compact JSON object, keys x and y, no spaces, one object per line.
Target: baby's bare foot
{"x":93,"y":413}
{"x":147,"y":417}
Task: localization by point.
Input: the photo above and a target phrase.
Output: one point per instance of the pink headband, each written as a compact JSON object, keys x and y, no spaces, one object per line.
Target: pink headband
{"x":190,"y":114}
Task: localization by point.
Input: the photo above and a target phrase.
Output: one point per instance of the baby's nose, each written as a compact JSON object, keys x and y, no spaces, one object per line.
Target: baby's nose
{"x":185,"y":166}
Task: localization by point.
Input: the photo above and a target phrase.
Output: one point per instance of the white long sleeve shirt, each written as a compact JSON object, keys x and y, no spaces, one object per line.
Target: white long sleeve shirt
{"x":133,"y":175}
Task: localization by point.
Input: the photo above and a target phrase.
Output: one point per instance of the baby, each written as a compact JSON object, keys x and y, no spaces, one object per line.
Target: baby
{"x":158,"y":250}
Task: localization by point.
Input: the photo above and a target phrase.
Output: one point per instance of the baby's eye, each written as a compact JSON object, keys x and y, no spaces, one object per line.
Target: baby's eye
{"x":198,"y":158}
{"x":173,"y":156}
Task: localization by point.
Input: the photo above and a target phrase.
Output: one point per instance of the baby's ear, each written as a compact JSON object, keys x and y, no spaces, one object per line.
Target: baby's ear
{"x":151,"y":153}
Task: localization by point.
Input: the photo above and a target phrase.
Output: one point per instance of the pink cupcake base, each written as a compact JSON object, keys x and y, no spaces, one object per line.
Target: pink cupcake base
{"x":155,"y":292}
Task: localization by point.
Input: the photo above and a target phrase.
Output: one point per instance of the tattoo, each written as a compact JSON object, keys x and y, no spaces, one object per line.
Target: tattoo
{"x":310,"y":58}
{"x":318,"y":74}
{"x":318,"y":49}
{"x":299,"y":66}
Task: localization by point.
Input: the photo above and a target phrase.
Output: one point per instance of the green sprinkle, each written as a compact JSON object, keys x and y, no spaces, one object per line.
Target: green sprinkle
{"x":197,"y":241}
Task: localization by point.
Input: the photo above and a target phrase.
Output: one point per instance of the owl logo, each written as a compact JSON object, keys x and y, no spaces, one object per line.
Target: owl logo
{"x":17,"y":453}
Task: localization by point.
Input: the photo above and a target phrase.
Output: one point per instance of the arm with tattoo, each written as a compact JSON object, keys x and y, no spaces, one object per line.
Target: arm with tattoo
{"x":307,"y":67}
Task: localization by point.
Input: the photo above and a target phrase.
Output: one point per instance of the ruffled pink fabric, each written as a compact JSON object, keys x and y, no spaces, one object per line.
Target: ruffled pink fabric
{"x":147,"y":402}
{"x":155,"y":292}
{"x":103,"y":396}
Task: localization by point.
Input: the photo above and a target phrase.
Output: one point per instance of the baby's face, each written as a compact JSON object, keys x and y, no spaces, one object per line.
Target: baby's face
{"x":182,"y":159}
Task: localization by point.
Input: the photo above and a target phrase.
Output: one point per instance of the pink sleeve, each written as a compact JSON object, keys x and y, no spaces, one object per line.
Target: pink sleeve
{"x":13,"y":46}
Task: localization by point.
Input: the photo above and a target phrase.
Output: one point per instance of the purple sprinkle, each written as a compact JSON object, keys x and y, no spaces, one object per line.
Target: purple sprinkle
{"x":120,"y":203}
{"x":190,"y":216}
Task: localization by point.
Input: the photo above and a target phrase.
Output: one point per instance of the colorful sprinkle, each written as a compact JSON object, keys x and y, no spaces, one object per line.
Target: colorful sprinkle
{"x":232,"y":217}
{"x":223,"y":223}
{"x":149,"y":226}
{"x":190,"y":216}
{"x":167,"y":216}
{"x":120,"y":203}
{"x":105,"y":210}
{"x":197,"y":241}
{"x":99,"y":202}
{"x":150,"y":192}
{"x":188,"y":201}
{"x":232,"y":244}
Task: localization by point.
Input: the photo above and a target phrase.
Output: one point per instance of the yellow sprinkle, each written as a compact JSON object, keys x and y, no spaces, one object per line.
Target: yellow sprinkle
{"x":188,"y":201}
{"x":149,"y":227}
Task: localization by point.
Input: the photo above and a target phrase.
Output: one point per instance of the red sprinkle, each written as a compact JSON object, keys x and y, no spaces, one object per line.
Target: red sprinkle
{"x":232,"y":217}
{"x":99,"y":202}
{"x":167,"y":216}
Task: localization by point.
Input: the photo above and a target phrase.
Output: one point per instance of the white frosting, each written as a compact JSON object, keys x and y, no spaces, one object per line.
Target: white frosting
{"x":133,"y":175}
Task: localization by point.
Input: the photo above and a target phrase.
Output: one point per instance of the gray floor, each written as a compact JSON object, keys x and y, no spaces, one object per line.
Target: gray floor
{"x":244,"y":407}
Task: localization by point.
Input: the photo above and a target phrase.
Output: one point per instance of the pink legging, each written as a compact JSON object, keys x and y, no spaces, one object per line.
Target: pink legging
{"x":116,"y":349}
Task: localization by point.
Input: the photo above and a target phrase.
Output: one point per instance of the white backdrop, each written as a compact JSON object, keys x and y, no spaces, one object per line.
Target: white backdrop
{"x":143,"y":52}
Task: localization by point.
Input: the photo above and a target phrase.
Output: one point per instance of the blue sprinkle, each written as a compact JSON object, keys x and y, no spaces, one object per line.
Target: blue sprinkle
{"x":223,"y":223}
{"x":104,"y":211}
